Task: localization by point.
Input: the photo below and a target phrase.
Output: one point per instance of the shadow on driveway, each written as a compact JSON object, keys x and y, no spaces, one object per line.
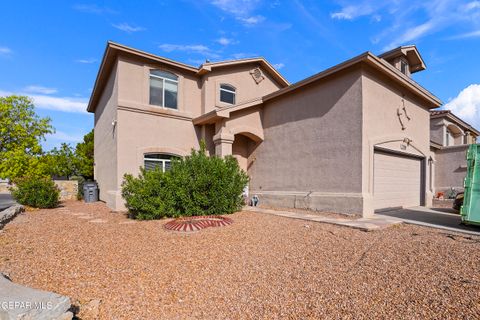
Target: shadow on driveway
{"x":444,"y":218}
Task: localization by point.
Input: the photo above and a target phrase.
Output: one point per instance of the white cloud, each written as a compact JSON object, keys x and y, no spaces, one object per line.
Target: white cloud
{"x":412,"y":34}
{"x":409,"y":21}
{"x":472,"y":5}
{"x":128,"y":28}
{"x":473,"y":34}
{"x":351,"y":12}
{"x":64,"y":104}
{"x":93,"y":8}
{"x":226,"y":41}
{"x":236,"y":7}
{"x":278,"y":66}
{"x":190,"y":48}
{"x":86,"y":61}
{"x":64,"y":137}
{"x":40,"y":89}
{"x":251,"y":21}
{"x":242,"y":10}
{"x":467,"y":104}
{"x":5,"y":51}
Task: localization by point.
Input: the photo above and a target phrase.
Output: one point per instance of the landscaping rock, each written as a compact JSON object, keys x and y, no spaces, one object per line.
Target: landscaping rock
{"x":20,"y":302}
{"x":10,"y":213}
{"x":90,"y":310}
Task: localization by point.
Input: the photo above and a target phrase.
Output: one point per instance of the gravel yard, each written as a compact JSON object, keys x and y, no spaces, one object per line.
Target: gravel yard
{"x":260,"y":267}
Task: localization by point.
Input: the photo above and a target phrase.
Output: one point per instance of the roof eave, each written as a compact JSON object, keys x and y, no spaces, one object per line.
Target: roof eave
{"x":94,"y":94}
{"x":373,"y":60}
{"x":456,"y":119}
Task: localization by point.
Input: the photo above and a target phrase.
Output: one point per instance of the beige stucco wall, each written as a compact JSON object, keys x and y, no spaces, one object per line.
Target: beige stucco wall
{"x":312,"y":141}
{"x":143,"y":128}
{"x":450,"y":168}
{"x":382,"y":128}
{"x":134,"y":87}
{"x":105,"y":142}
{"x":239,"y":77}
{"x":437,"y":131}
{"x":141,"y":133}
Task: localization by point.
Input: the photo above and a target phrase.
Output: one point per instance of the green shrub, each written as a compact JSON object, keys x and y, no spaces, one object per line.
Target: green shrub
{"x":195,"y":185}
{"x":36,"y":192}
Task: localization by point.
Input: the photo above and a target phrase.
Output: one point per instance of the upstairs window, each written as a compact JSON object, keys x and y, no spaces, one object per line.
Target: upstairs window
{"x":227,"y":94}
{"x":163,"y":89}
{"x":404,"y":67}
{"x":157,"y":160}
{"x":448,"y":138}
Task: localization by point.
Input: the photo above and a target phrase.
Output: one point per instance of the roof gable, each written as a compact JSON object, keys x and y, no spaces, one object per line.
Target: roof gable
{"x":114,"y":49}
{"x":411,"y":53}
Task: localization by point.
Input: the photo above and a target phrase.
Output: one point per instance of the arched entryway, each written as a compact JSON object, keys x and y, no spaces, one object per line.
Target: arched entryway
{"x":244,"y":145}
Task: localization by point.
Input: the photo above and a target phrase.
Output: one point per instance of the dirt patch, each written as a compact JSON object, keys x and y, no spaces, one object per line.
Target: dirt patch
{"x":259,"y":267}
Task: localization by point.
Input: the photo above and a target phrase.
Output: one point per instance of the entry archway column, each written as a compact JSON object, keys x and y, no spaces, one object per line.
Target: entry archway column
{"x":223,"y":144}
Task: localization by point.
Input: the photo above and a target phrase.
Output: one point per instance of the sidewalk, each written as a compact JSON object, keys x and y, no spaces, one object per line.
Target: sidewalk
{"x":366,"y":224}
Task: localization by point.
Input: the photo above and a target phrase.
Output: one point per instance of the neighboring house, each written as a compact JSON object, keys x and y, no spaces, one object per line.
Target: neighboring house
{"x":353,"y":139}
{"x":450,"y":137}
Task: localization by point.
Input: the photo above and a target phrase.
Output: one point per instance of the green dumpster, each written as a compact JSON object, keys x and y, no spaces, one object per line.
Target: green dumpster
{"x":470,"y":210}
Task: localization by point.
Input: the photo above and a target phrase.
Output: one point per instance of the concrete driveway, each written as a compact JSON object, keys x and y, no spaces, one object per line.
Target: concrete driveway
{"x":442,"y":218}
{"x":6,"y":201}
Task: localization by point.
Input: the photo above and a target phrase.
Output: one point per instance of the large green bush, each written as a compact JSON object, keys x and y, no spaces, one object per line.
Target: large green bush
{"x":36,"y":192}
{"x":195,"y":185}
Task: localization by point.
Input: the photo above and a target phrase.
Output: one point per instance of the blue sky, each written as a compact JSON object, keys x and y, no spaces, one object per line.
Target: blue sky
{"x":51,"y":50}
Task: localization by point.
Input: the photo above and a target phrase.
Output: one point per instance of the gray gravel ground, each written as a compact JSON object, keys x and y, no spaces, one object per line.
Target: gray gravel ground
{"x":260,"y":267}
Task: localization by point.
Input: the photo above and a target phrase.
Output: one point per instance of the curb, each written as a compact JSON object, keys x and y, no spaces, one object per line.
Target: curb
{"x":20,"y":302}
{"x":8,"y":214}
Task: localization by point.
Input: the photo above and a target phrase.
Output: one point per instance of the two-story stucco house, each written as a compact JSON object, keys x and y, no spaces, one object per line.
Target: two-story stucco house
{"x":353,"y":138}
{"x":450,"y":137}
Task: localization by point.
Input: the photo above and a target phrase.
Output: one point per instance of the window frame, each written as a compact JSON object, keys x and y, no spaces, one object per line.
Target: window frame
{"x":177,"y":82}
{"x":448,"y":138}
{"x":402,"y":64}
{"x":163,"y":161}
{"x":234,"y":92}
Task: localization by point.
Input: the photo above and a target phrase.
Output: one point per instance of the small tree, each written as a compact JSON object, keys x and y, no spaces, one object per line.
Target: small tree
{"x":60,"y":162}
{"x":21,"y":131}
{"x":84,"y":156}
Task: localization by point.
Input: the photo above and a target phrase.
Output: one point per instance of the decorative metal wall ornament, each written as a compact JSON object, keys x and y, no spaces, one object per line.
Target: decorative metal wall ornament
{"x":257,"y":75}
{"x":402,"y":115}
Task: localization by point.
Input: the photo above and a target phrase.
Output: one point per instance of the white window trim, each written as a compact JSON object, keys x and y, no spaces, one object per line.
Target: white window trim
{"x":163,"y":161}
{"x":229,"y":91}
{"x":163,"y":91}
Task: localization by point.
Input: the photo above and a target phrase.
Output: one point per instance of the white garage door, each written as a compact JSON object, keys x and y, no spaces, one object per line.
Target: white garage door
{"x":397,"y":181}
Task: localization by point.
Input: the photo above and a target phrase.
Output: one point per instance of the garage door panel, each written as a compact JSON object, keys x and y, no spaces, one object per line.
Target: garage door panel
{"x":397,"y":181}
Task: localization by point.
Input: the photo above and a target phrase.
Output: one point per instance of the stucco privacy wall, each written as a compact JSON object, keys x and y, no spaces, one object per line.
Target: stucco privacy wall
{"x":68,"y":189}
{"x":382,"y":127}
{"x":239,"y":77}
{"x":105,"y":141}
{"x":310,"y":155}
{"x":450,"y":168}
